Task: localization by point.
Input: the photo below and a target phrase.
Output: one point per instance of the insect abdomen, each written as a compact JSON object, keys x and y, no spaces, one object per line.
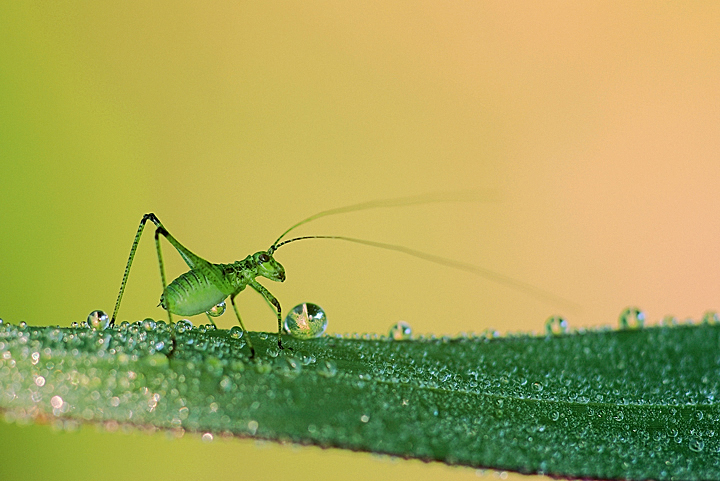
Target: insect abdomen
{"x":190,"y":294}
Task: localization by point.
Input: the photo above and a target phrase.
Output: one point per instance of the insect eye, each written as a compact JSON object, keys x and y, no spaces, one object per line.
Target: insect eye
{"x":263,"y":258}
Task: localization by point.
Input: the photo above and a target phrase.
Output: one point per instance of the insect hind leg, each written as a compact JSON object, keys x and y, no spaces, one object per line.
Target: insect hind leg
{"x":147,"y":217}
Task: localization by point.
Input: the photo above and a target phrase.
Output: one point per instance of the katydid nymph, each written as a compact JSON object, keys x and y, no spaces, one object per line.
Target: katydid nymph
{"x":207,"y":285}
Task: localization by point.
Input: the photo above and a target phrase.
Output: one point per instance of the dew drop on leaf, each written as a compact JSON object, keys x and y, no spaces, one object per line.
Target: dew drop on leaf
{"x":98,"y":320}
{"x":696,"y":445}
{"x":306,"y":321}
{"x":711,"y":317}
{"x":400,"y":331}
{"x":236,"y":332}
{"x":632,"y":318}
{"x":555,"y":326}
{"x":183,"y":325}
{"x":327,"y":369}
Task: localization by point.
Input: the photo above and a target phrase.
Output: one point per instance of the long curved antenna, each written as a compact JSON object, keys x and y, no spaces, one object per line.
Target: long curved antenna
{"x":455,"y":196}
{"x":463,"y":266}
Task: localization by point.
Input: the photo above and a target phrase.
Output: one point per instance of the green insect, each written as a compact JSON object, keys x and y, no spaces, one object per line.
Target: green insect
{"x":207,"y":285}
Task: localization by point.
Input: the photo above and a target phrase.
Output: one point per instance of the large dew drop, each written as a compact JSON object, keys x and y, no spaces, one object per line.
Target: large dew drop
{"x":306,"y":321}
{"x":98,"y":320}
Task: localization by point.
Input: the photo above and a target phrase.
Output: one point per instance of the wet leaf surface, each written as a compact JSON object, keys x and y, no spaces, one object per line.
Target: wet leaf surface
{"x":611,"y":404}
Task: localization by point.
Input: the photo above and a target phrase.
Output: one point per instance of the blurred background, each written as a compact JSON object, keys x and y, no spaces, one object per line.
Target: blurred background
{"x":594,"y":130}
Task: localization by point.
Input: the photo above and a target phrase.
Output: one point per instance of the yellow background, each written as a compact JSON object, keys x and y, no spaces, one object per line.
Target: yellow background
{"x":598,"y":126}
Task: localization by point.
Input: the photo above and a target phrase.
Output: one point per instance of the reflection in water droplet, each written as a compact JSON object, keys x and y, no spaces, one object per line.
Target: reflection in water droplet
{"x":149,"y":324}
{"x":306,"y":321}
{"x":236,"y":332}
{"x":555,"y":326}
{"x":400,"y":331}
{"x":98,"y":320}
{"x":696,"y":445}
{"x":632,"y":318}
{"x":217,"y":310}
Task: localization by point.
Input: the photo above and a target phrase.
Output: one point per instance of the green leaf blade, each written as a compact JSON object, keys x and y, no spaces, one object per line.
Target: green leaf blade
{"x":630,"y":404}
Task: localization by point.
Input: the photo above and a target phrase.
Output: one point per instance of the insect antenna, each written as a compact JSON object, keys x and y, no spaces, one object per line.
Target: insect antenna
{"x":454,"y":196}
{"x":463,"y":266}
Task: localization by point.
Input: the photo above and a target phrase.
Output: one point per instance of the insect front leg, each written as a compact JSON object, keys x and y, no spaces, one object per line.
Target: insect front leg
{"x":245,"y":333}
{"x":274,"y":302}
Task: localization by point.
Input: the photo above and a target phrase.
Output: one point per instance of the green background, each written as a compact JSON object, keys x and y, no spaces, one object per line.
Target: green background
{"x":598,"y":126}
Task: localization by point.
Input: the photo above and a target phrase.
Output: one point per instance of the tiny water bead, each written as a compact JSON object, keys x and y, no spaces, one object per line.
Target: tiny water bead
{"x":400,"y":331}
{"x":98,"y":320}
{"x":183,"y":325}
{"x":710,"y":317}
{"x":306,"y":321}
{"x":555,"y":326}
{"x":632,"y":318}
{"x":217,"y":311}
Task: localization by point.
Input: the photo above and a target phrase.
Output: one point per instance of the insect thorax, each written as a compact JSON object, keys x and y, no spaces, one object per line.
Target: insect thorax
{"x":239,"y":273}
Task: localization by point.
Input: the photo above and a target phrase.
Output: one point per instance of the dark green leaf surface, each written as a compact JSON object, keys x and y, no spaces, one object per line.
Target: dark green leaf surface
{"x":607,"y":404}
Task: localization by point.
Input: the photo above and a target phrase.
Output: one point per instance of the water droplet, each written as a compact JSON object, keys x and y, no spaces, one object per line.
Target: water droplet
{"x":217,"y":310}
{"x":400,"y":331}
{"x":632,"y":318}
{"x":306,"y":321}
{"x":696,"y":445}
{"x":711,"y":317}
{"x":327,"y":369}
{"x":555,"y":326}
{"x":236,"y":332}
{"x":149,"y":324}
{"x":364,"y":418}
{"x":183,"y":325}
{"x":207,"y":437}
{"x":56,"y":402}
{"x":98,"y":320}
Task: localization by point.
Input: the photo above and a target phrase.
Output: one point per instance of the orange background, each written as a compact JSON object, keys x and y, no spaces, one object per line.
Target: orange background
{"x":598,"y":126}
